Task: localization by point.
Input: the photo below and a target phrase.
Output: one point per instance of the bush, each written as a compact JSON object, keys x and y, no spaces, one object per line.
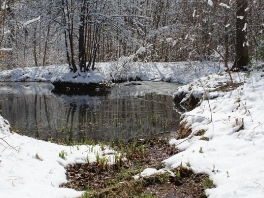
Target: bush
{"x":260,"y":48}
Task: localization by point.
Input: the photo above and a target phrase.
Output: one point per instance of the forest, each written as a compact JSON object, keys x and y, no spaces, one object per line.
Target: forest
{"x":83,"y":32}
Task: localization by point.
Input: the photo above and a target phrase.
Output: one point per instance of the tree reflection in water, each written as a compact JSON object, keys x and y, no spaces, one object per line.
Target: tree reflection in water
{"x":125,"y":112}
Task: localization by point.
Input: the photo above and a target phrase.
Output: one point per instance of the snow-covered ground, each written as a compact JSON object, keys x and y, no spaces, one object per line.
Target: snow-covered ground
{"x":233,"y":156}
{"x":35,"y":168}
{"x":180,"y":72}
{"x":233,"y":121}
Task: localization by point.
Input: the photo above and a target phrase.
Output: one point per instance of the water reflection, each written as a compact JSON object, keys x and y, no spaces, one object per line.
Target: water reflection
{"x":126,"y":112}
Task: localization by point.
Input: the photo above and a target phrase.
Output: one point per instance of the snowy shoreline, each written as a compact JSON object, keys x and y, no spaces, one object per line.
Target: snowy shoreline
{"x":31,"y":167}
{"x":232,"y":121}
{"x":180,"y":72}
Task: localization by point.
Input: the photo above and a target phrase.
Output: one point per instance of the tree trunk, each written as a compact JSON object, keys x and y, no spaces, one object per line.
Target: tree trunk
{"x":68,"y":21}
{"x":46,"y":47}
{"x":95,"y":45}
{"x":242,"y":56}
{"x":82,"y":50}
{"x":35,"y":47}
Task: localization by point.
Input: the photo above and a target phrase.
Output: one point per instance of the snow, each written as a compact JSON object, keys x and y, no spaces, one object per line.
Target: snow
{"x":194,"y":13}
{"x":180,"y":72}
{"x":240,"y":17}
{"x":233,"y":121}
{"x":141,"y":50}
{"x":31,"y":168}
{"x":4,"y":6}
{"x":210,"y":3}
{"x":224,"y":5}
{"x":6,"y":49}
{"x":31,"y":21}
{"x":169,"y":40}
{"x":245,"y":27}
{"x":233,"y":156}
{"x":151,"y":171}
{"x":78,"y":77}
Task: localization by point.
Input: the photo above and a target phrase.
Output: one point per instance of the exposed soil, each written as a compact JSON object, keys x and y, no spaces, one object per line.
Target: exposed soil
{"x":117,"y":180}
{"x":185,"y":185}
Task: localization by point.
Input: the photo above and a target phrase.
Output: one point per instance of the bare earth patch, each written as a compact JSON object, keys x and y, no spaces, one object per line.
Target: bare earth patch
{"x":117,"y":180}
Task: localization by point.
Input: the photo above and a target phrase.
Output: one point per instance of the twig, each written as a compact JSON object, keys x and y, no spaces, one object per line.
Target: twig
{"x":184,"y":140}
{"x":7,"y":143}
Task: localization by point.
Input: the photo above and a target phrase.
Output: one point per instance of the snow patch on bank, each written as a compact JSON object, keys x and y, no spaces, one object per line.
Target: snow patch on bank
{"x":233,"y":156}
{"x":79,"y":77}
{"x":180,"y":72}
{"x":33,"y":168}
{"x":209,"y":86}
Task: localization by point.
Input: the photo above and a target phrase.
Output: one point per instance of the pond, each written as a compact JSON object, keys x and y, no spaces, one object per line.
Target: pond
{"x":126,"y":112}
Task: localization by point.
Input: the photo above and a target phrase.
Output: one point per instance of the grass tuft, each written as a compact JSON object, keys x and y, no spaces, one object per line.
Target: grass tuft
{"x":62,"y":154}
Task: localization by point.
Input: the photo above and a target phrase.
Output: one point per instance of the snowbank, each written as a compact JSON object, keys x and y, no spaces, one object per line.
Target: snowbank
{"x":180,"y":72}
{"x":33,"y":168}
{"x":78,"y":77}
{"x":233,"y":156}
{"x":207,"y":87}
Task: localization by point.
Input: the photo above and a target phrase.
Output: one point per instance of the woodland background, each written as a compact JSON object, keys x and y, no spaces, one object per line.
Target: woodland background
{"x":82,"y":32}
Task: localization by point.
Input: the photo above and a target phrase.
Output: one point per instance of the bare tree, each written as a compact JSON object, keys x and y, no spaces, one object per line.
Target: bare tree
{"x":83,"y":32}
{"x":242,"y":55}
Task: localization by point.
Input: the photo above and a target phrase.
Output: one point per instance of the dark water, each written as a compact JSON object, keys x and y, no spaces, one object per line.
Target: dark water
{"x":126,"y":112}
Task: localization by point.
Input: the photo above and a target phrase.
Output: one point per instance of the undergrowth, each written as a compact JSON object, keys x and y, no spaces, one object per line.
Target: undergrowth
{"x":102,"y":179}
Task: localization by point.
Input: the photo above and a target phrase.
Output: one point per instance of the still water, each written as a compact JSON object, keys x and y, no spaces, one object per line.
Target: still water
{"x":145,"y":110}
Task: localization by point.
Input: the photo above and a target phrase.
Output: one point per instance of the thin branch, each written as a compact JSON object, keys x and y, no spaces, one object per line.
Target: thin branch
{"x":7,"y":143}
